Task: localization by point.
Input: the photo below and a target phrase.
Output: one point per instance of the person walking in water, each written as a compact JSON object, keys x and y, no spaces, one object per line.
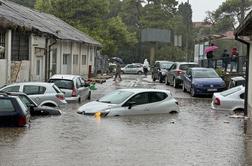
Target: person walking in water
{"x":118,"y":72}
{"x":225,"y":59}
{"x":145,"y":67}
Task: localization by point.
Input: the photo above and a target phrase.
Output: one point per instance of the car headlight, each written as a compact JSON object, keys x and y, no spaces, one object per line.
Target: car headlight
{"x":223,"y":84}
{"x":163,"y":73}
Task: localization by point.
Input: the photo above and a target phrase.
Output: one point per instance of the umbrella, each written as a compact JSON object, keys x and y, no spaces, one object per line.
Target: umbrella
{"x":117,"y":59}
{"x":210,"y":48}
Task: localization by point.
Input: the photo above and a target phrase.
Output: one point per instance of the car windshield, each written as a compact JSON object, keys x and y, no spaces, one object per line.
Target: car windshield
{"x":62,"y":84}
{"x":116,"y":97}
{"x":165,"y":65}
{"x":205,"y":74}
{"x":231,"y":91}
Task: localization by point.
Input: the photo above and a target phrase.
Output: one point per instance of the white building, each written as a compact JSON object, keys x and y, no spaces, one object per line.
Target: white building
{"x":37,"y":45}
{"x":245,"y":31}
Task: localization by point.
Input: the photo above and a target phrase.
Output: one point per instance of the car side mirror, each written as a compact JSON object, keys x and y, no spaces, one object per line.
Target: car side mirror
{"x":131,"y":104}
{"x":190,"y":76}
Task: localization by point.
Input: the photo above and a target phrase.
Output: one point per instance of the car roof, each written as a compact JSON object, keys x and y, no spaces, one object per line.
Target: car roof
{"x":181,"y":63}
{"x":164,"y":61}
{"x":64,"y":76}
{"x":201,"y":68}
{"x":138,"y":90}
{"x":237,"y":78}
{"x":31,"y":83}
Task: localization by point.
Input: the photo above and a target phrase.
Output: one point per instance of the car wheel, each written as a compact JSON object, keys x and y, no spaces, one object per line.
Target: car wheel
{"x":139,"y":72}
{"x":193,"y":93}
{"x":183,"y":87}
{"x":79,"y":100}
{"x":50,"y":105}
{"x":175,"y":85}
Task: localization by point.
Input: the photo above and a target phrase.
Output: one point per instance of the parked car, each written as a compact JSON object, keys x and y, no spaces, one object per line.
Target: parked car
{"x":33,"y":107}
{"x":173,"y":76}
{"x":229,"y":100}
{"x":132,"y":102}
{"x":236,"y":81}
{"x":202,"y":81}
{"x":74,"y":87}
{"x":13,"y":112}
{"x":132,"y":69}
{"x":160,"y":69}
{"x":44,"y":94}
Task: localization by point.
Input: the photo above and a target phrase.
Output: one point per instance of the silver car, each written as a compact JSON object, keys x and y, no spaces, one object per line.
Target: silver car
{"x":132,"y":69}
{"x":44,"y":94}
{"x":74,"y":86}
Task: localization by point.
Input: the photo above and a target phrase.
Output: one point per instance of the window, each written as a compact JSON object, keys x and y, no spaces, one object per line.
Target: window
{"x":62,"y":84}
{"x":33,"y":89}
{"x":2,"y":43}
{"x":65,"y":59}
{"x":38,"y":67}
{"x":186,"y":66}
{"x":12,"y":89}
{"x":139,"y":99}
{"x":19,"y":46}
{"x":84,"y":59}
{"x":6,"y":105}
{"x":75,"y":59}
{"x":116,"y":97}
{"x":54,"y":61}
{"x":157,"y":96}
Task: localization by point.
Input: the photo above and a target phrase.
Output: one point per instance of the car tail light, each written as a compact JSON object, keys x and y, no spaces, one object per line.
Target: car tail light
{"x":217,"y":101}
{"x":61,"y":97}
{"x":22,"y":121}
{"x":74,"y":92}
{"x":178,"y":72}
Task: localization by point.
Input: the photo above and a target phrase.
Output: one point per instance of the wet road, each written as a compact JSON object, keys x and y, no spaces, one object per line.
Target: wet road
{"x":196,"y":136}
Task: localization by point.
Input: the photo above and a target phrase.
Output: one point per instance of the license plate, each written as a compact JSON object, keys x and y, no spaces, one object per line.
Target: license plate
{"x":211,"y":90}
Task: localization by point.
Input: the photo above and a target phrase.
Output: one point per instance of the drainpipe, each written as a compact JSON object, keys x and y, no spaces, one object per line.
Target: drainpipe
{"x":48,"y":57}
{"x":247,"y":73}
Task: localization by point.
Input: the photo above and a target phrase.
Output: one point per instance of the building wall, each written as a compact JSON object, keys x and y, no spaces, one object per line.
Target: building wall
{"x":70,"y":57}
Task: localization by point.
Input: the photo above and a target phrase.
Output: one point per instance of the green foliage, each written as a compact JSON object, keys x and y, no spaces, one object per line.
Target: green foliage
{"x":171,"y":53}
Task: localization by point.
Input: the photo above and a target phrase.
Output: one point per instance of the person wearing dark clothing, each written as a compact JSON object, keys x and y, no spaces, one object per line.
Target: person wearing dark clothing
{"x":118,"y":72}
{"x":225,"y":59}
{"x":234,"y":59}
{"x":209,"y":56}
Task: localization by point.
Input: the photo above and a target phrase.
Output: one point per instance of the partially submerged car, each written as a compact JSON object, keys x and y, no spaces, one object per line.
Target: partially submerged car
{"x":202,"y":81}
{"x":236,"y":81}
{"x":132,"y":102}
{"x":74,"y":87}
{"x":229,"y":100}
{"x":44,"y":94}
{"x":34,"y":109}
{"x":13,"y":111}
{"x":160,"y":69}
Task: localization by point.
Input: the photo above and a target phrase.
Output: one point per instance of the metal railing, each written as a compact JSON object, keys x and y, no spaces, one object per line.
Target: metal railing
{"x":229,"y":65}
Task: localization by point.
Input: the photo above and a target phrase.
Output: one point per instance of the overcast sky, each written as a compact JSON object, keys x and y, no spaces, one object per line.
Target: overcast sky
{"x":200,"y":7}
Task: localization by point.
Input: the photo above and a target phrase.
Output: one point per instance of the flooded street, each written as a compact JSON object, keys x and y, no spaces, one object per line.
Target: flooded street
{"x":196,"y":136}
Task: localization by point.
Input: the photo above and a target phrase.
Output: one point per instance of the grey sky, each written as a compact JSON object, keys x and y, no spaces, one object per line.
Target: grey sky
{"x":200,"y":7}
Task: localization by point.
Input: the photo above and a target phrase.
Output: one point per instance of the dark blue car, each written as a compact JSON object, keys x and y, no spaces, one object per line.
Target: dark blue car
{"x":202,"y":81}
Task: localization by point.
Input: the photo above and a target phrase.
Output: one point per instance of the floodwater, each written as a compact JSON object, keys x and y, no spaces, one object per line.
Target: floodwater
{"x":196,"y":136}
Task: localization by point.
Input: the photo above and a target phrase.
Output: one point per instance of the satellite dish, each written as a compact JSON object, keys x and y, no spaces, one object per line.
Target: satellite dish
{"x":1,"y":49}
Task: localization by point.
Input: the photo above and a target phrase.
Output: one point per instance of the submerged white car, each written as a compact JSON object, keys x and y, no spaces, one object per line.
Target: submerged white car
{"x":229,"y":100}
{"x":132,"y":102}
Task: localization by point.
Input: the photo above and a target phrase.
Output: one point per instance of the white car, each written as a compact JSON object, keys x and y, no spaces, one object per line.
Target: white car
{"x":132,"y":102}
{"x":229,"y":100}
{"x":132,"y":69}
